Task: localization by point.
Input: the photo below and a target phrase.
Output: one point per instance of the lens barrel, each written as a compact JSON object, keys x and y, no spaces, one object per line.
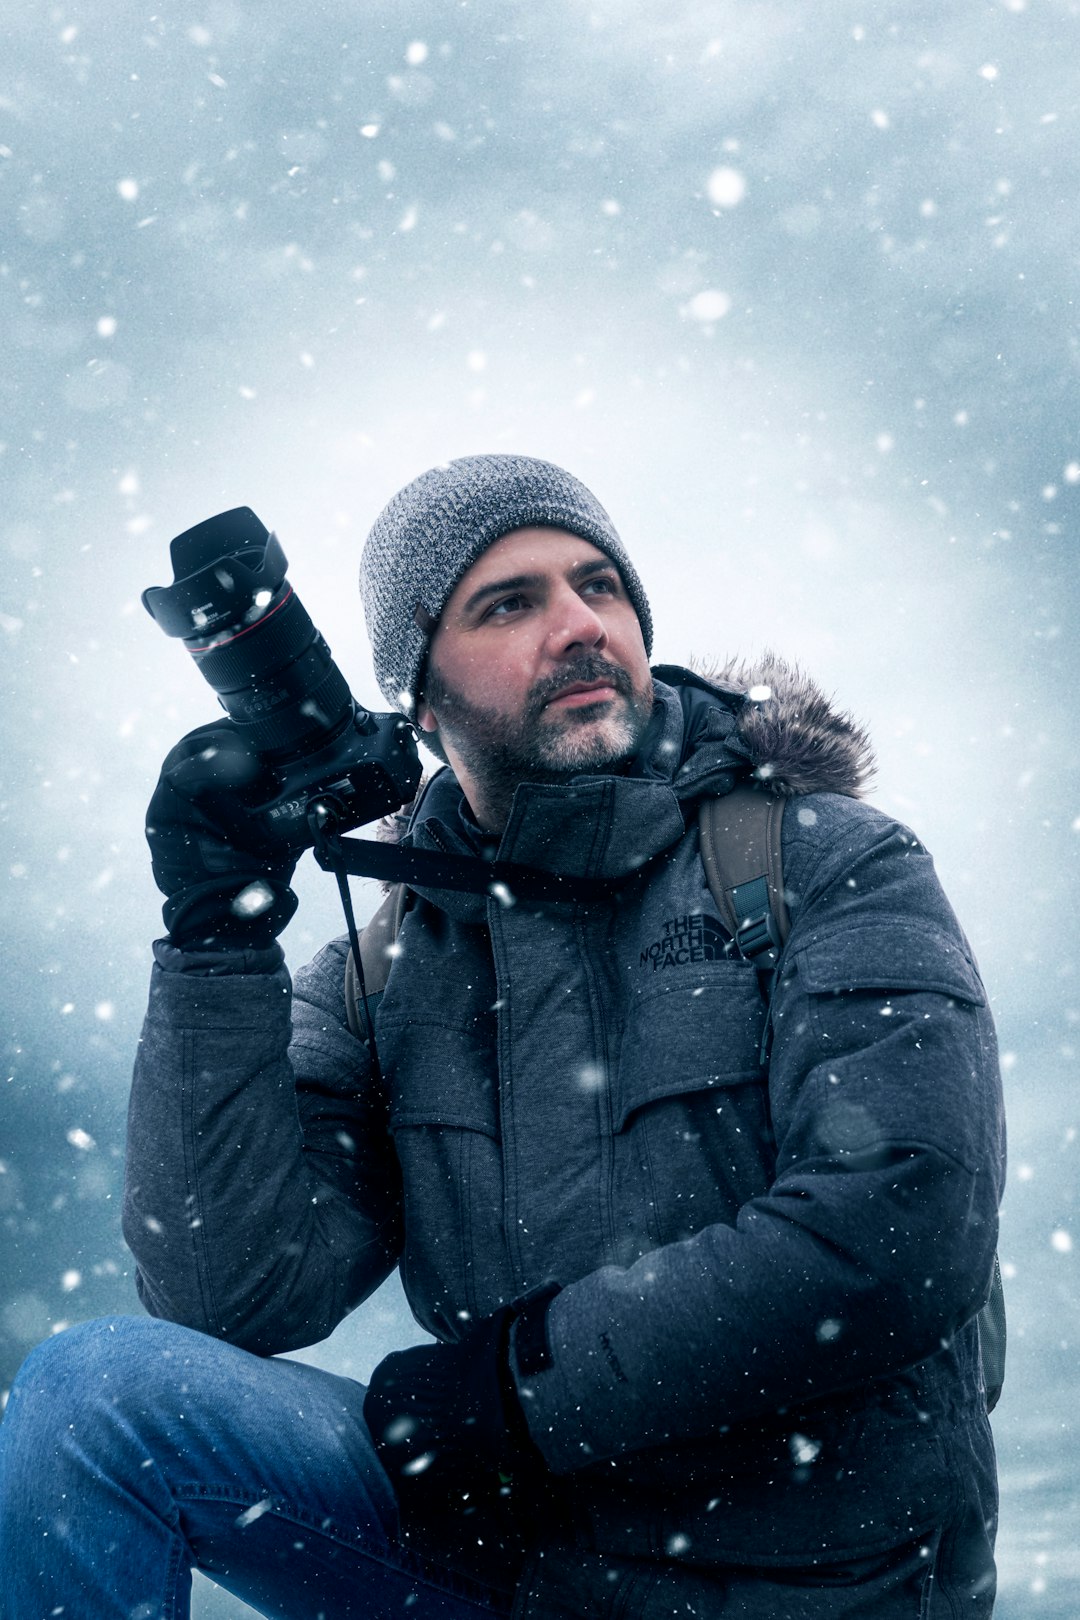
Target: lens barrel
{"x":251,"y":636}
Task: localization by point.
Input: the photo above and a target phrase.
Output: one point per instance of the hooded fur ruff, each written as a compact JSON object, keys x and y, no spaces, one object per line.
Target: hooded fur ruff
{"x":798,"y":742}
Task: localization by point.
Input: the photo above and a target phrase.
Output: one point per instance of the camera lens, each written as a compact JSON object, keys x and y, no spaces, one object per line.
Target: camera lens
{"x":250,"y":635}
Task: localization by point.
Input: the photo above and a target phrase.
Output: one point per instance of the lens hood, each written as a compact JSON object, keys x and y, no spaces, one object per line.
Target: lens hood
{"x":225,"y":571}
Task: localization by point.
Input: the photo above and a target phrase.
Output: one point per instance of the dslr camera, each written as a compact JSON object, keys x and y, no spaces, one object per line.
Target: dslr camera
{"x":326,"y":763}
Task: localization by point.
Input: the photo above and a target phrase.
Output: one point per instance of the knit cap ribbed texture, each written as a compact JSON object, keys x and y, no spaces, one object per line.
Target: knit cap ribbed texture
{"x":435,"y":529}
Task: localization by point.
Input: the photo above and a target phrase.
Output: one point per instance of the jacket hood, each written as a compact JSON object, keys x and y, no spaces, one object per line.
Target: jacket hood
{"x":707,"y":733}
{"x":795,"y":739}
{"x":772,"y":721}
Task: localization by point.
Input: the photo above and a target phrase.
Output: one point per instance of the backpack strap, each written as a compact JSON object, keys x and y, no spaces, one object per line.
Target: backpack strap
{"x":376,"y":954}
{"x":742,"y":856}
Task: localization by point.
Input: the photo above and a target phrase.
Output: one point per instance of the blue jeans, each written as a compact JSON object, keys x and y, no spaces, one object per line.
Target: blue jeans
{"x":133,"y":1450}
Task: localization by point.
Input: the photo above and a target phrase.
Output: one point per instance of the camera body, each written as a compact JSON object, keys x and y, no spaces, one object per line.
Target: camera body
{"x":320,"y":754}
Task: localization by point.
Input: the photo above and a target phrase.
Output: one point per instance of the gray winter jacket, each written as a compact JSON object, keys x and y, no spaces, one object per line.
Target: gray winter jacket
{"x":763,"y":1352}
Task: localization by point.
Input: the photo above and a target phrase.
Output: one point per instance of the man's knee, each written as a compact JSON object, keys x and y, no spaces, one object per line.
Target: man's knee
{"x":113,"y":1365}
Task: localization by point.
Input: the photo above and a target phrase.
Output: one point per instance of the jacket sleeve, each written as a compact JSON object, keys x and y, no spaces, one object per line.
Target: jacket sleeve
{"x":875,"y":1242}
{"x":262,"y":1193}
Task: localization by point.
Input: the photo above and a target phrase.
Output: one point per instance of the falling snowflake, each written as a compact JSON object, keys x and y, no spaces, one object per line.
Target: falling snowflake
{"x":591,"y":1077}
{"x":726,"y":187}
{"x":709,"y":305}
{"x":254,"y":900}
{"x":803,"y":1449}
{"x":252,"y":1513}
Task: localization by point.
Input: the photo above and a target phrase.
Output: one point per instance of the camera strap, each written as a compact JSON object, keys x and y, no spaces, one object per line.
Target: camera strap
{"x":506,"y":881}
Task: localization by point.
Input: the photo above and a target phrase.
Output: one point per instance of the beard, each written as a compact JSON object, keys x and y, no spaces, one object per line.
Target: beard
{"x":537,"y":745}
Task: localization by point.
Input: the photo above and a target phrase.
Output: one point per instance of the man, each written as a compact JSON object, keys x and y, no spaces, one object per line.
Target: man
{"x":703,"y":1311}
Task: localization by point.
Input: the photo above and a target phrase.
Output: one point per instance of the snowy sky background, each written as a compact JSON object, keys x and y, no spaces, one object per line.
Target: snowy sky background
{"x":792,"y":290}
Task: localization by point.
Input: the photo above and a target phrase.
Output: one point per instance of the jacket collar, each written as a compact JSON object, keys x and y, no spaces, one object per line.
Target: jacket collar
{"x":707,"y":733}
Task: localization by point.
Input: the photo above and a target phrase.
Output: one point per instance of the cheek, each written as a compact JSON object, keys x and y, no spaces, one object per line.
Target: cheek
{"x":629,"y":648}
{"x":489,"y":678}
{"x":510,"y":661}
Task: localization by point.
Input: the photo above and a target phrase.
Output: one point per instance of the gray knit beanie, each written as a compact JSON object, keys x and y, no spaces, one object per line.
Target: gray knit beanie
{"x":435,"y":529}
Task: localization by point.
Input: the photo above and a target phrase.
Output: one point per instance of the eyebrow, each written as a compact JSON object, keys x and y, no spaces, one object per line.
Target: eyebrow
{"x":522,"y":582}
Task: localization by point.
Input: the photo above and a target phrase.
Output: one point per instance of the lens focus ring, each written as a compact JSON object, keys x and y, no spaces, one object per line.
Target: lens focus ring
{"x":313,"y":715}
{"x":278,"y":681}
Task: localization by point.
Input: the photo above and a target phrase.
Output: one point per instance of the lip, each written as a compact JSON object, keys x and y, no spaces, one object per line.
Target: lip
{"x":583,"y":693}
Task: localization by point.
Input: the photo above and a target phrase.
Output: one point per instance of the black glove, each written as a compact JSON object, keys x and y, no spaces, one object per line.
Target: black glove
{"x":225,"y":878}
{"x":449,"y":1430}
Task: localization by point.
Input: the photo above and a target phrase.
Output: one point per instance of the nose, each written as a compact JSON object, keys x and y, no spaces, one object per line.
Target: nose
{"x":574,"y":625}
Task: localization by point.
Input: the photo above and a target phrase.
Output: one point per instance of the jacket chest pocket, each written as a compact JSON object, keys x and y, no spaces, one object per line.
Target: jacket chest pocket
{"x":691,"y":1115}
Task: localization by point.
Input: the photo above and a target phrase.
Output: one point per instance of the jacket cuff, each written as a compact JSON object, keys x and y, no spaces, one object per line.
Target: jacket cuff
{"x":214,"y":964}
{"x":232,"y":1001}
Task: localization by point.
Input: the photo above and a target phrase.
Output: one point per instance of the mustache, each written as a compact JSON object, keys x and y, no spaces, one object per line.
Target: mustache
{"x":591,"y":667}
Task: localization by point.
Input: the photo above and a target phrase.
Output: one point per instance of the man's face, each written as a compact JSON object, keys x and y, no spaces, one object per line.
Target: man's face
{"x":537,"y":669}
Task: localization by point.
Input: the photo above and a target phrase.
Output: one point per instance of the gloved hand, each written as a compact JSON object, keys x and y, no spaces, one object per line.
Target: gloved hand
{"x":450,"y":1432}
{"x":225,"y":880}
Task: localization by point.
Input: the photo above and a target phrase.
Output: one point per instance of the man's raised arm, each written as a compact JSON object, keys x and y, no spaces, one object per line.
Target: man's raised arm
{"x":261,"y":1198}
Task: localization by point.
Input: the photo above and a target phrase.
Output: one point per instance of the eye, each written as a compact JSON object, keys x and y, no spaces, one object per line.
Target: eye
{"x":604,"y":584}
{"x":505,"y":606}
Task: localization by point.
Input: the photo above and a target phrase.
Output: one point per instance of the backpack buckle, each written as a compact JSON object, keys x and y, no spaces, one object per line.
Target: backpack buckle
{"x":758,"y":940}
{"x":757,"y":936}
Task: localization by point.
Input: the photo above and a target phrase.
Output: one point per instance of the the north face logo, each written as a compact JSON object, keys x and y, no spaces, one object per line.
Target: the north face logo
{"x":695,"y":937}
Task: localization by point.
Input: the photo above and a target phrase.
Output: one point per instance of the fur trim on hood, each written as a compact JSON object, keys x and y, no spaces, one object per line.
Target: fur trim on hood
{"x":798,"y":742}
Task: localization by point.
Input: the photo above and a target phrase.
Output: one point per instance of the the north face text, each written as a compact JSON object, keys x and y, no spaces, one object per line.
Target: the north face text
{"x":695,"y":937}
